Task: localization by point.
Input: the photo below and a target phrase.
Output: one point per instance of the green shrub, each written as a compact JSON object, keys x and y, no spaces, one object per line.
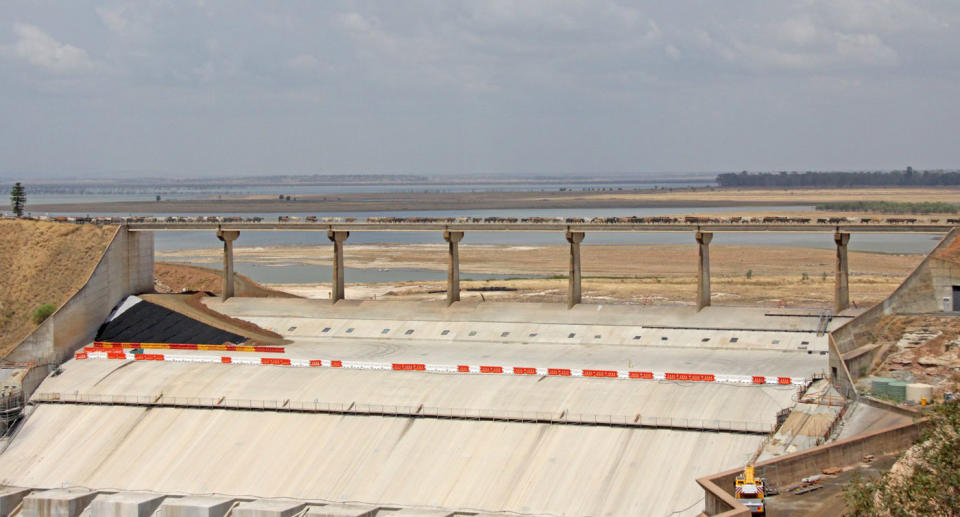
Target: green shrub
{"x":892,"y":207}
{"x":933,"y":485}
{"x":41,"y":313}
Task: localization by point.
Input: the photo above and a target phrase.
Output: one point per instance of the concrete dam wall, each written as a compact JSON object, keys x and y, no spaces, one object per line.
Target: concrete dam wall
{"x":125,"y":268}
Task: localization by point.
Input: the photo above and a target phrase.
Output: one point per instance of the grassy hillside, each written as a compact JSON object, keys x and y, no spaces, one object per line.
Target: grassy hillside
{"x":43,"y":263}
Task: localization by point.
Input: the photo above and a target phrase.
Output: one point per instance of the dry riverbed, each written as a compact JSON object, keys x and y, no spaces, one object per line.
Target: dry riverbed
{"x":741,"y":275}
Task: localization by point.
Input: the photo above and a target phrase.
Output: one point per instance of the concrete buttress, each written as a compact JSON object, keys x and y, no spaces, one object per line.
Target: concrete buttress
{"x":337,"y":288}
{"x":453,"y":265}
{"x":227,"y":237}
{"x":574,"y":287}
{"x":841,"y":297}
{"x":703,"y":270}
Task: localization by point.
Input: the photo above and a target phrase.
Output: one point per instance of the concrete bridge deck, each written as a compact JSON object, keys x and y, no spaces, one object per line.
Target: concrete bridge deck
{"x":544,"y":227}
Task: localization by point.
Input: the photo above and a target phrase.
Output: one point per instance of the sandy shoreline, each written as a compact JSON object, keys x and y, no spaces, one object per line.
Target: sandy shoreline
{"x":626,"y":261}
{"x":681,"y":197}
{"x":638,"y":274}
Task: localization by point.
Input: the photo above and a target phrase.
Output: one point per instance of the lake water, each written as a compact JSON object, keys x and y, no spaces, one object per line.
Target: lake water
{"x":108,"y":194}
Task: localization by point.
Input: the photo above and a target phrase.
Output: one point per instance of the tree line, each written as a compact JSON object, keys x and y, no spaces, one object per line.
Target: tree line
{"x":899,"y":178}
{"x":892,"y":207}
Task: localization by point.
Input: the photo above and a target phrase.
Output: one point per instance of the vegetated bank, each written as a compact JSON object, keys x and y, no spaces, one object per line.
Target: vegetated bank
{"x":42,"y":264}
{"x":926,"y":478}
{"x":892,"y":207}
{"x":897,"y":178}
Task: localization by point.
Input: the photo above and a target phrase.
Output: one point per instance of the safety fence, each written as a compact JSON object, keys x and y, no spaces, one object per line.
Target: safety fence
{"x":101,"y":353}
{"x":317,"y":406}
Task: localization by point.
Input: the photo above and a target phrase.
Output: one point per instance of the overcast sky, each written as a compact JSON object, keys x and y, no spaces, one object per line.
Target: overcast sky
{"x":437,"y":87}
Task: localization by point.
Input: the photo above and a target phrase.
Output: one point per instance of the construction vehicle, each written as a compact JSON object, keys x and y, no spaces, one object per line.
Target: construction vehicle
{"x":749,"y":491}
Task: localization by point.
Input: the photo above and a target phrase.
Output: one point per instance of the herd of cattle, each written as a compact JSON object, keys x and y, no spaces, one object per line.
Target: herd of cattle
{"x":660,"y":219}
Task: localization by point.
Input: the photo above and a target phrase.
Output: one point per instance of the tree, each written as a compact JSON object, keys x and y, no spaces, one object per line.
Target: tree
{"x":18,"y":199}
{"x":927,"y":481}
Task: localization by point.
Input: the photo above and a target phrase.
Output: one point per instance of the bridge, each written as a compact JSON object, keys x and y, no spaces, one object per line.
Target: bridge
{"x":453,"y":232}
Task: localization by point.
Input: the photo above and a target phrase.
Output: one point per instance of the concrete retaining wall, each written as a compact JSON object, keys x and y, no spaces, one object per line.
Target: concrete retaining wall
{"x":791,"y":468}
{"x":922,"y":292}
{"x":125,"y":268}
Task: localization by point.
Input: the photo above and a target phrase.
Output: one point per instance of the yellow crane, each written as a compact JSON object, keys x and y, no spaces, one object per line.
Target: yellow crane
{"x":748,"y":490}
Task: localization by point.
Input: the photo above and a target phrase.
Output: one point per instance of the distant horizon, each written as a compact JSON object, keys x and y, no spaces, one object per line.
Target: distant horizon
{"x":412,"y":177}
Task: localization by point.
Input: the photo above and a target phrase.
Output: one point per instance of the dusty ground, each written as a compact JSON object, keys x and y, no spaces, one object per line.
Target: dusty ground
{"x":177,"y":278}
{"x":827,"y":501}
{"x":34,"y":270}
{"x":393,"y":201}
{"x":624,"y":273}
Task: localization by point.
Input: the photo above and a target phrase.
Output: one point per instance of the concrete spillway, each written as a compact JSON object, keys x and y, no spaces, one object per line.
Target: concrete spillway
{"x":176,"y":427}
{"x":491,"y":466}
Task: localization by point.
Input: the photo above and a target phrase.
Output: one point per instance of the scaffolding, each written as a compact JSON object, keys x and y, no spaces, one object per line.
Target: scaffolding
{"x":11,"y":393}
{"x":11,"y":406}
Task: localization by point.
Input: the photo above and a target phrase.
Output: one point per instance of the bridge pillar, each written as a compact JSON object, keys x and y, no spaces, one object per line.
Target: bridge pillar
{"x":227,"y":237}
{"x":453,"y":265}
{"x":841,"y":297}
{"x":337,"y":288}
{"x":574,"y":287}
{"x":703,"y":270}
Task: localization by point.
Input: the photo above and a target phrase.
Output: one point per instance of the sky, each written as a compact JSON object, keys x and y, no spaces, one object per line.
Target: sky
{"x":207,"y":88}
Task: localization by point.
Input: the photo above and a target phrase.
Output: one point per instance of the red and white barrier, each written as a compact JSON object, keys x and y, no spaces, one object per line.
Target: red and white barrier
{"x":104,"y":353}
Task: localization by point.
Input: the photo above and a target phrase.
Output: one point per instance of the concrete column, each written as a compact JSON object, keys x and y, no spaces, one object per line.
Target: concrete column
{"x":453,"y":265}
{"x":703,"y":270}
{"x":337,"y":238}
{"x":841,"y":296}
{"x":574,"y":288}
{"x":227,"y":237}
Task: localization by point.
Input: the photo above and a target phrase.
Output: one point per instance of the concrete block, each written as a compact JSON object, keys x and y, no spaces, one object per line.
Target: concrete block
{"x":125,"y":504}
{"x":195,"y":507}
{"x":342,"y":510}
{"x":413,"y":512}
{"x":269,"y":508}
{"x":61,"y":502}
{"x":9,"y":499}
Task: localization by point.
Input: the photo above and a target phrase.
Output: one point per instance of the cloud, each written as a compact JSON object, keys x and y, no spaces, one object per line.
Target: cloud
{"x":41,"y":50}
{"x":302,"y":62}
{"x":114,"y":18}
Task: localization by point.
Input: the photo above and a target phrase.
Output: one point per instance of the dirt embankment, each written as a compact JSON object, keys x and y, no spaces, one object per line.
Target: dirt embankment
{"x":171,"y":278}
{"x":43,"y":262}
{"x":191,"y":305}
